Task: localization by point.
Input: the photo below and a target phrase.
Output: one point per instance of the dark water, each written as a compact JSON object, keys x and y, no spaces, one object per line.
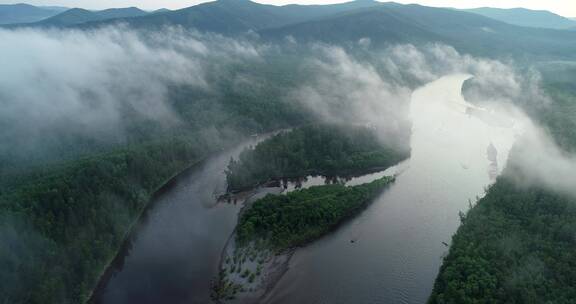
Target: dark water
{"x":175,"y":250}
{"x":397,"y":246}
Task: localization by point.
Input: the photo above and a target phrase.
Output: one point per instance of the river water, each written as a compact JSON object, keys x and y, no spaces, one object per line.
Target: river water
{"x":175,"y":250}
{"x":397,"y":248}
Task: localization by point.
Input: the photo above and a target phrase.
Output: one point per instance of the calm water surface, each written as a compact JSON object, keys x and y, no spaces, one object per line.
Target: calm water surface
{"x":175,"y":251}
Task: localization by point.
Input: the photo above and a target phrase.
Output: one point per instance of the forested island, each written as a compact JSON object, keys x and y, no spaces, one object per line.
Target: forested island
{"x":518,"y":244}
{"x":270,"y":228}
{"x":291,"y":220}
{"x":273,"y":226}
{"x":318,"y":149}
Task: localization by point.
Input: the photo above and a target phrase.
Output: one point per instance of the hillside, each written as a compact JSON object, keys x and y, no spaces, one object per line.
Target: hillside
{"x":238,"y":16}
{"x":526,"y":17}
{"x":25,"y":13}
{"x":77,"y":16}
{"x":345,"y":24}
{"x":392,"y":23}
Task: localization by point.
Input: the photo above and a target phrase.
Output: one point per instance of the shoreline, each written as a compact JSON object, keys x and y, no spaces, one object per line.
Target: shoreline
{"x":311,"y":173}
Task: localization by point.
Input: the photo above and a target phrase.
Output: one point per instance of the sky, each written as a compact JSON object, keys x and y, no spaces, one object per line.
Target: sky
{"x":562,"y":7}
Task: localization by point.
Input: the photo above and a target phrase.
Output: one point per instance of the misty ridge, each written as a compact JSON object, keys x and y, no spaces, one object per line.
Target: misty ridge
{"x":94,"y":85}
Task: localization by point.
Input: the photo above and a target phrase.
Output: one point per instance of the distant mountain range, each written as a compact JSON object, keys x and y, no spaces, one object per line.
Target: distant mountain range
{"x":526,"y":17}
{"x":25,"y":13}
{"x":240,"y":16}
{"x":468,"y":32}
{"x":62,"y":16}
{"x":77,"y":16}
{"x":344,"y":24}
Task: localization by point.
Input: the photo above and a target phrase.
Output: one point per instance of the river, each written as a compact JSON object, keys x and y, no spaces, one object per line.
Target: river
{"x":174,"y":252}
{"x":398,"y":241}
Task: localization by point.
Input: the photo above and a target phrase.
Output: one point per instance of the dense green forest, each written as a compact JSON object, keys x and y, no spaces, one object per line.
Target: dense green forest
{"x":518,"y":244}
{"x":66,"y":207}
{"x":287,"y":221}
{"x":321,"y":149}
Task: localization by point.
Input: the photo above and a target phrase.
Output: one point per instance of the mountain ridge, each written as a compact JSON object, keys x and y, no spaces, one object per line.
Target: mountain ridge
{"x":25,"y":13}
{"x":75,"y":16}
{"x":526,"y":17}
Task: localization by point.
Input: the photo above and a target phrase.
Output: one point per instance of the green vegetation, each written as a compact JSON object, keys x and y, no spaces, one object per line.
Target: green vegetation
{"x":287,"y":221}
{"x":518,"y":244}
{"x":314,"y":149}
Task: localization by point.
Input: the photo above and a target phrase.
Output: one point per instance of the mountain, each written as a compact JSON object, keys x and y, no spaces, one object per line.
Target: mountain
{"x":346,"y":23}
{"x":468,"y":32}
{"x":381,"y":24}
{"x":128,"y":12}
{"x":161,"y":10}
{"x":238,"y":16}
{"x":25,"y":13}
{"x":77,"y":16}
{"x":526,"y":17}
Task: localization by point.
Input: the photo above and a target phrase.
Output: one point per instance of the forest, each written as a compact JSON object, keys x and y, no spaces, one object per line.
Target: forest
{"x":318,"y":149}
{"x":291,"y":220}
{"x":518,"y":244}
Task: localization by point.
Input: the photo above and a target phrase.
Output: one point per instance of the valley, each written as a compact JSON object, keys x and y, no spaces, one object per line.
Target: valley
{"x":239,"y":152}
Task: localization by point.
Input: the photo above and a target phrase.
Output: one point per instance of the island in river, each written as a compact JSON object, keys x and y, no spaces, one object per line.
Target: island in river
{"x":318,"y":149}
{"x":270,"y":228}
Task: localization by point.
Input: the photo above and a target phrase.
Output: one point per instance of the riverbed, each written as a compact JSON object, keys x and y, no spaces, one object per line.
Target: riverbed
{"x":390,"y":253}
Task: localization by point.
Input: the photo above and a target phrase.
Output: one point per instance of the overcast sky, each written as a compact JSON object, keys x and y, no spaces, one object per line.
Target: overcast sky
{"x":561,"y":7}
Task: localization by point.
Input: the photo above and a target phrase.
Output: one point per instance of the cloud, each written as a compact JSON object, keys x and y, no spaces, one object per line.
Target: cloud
{"x":58,"y":83}
{"x":375,"y":86}
{"x":538,"y":162}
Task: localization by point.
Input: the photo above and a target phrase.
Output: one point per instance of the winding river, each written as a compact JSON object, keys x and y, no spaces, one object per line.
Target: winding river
{"x":457,"y":151}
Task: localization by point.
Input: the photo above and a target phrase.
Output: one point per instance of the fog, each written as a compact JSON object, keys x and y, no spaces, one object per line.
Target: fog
{"x":57,"y":83}
{"x":86,"y":83}
{"x":377,"y":93}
